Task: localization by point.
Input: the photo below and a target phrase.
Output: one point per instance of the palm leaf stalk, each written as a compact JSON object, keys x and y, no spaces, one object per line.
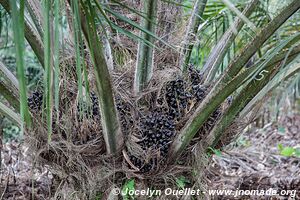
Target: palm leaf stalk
{"x":249,"y":50}
{"x":228,"y":83}
{"x":291,"y":55}
{"x":105,"y":39}
{"x":242,"y":100}
{"x":78,"y":42}
{"x":18,"y":27}
{"x":9,"y":76}
{"x":48,"y":66}
{"x":10,"y":114}
{"x":110,"y":123}
{"x":9,"y":87}
{"x":31,"y":35}
{"x":144,"y":65}
{"x":287,"y":74}
{"x":219,"y":51}
{"x":267,"y":90}
{"x":192,"y":29}
{"x":34,"y":8}
{"x":245,"y":96}
{"x":56,"y":54}
{"x":9,"y":96}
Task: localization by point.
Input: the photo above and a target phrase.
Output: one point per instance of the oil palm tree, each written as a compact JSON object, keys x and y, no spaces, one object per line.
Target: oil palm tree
{"x":67,"y":38}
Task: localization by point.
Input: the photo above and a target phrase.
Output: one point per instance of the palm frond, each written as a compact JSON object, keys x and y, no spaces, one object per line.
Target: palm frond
{"x":18,"y":27}
{"x":30,"y":33}
{"x":34,"y":8}
{"x":111,"y":128}
{"x":10,"y":114}
{"x":249,"y":50}
{"x":48,"y":67}
{"x":192,"y":29}
{"x":219,"y":51}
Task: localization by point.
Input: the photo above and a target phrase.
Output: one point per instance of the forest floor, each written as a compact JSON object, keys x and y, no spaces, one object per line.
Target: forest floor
{"x":259,"y":160}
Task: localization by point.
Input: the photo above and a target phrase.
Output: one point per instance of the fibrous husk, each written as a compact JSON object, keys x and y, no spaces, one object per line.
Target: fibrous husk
{"x":76,"y":153}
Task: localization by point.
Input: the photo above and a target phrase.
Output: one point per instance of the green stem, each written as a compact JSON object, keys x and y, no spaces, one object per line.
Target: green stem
{"x":30,"y":34}
{"x":191,"y":32}
{"x":243,"y":99}
{"x":240,"y":61}
{"x":144,"y":65}
{"x":8,"y":95}
{"x":219,"y":51}
{"x":110,"y":123}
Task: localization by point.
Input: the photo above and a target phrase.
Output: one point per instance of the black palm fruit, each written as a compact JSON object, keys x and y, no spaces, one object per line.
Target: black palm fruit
{"x":176,"y":98}
{"x":198,"y":92}
{"x":95,"y":105}
{"x":158,"y":131}
{"x":35,"y":101}
{"x":125,"y":115}
{"x":142,"y":165}
{"x":195,"y":76}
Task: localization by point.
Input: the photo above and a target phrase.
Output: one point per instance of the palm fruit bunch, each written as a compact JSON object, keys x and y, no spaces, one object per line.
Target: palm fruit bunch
{"x":180,"y":93}
{"x":176,"y":98}
{"x":125,"y":115}
{"x":195,"y":76}
{"x":143,"y":166}
{"x":35,"y":101}
{"x":95,"y":104}
{"x":157,"y":130}
{"x":198,"y":92}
